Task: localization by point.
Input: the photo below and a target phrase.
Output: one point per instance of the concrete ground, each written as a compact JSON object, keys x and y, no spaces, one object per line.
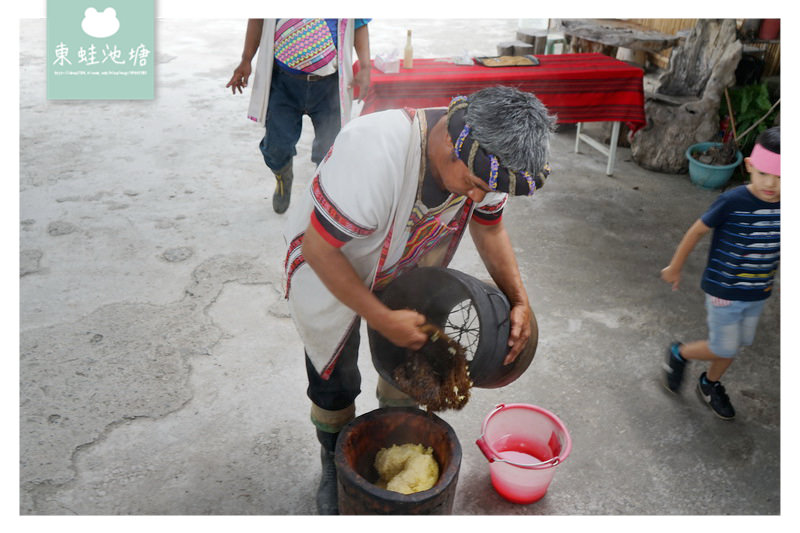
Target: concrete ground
{"x":160,"y":373}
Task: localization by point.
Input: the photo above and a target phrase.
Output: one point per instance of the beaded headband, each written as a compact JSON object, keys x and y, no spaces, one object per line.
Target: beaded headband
{"x":765,"y":161}
{"x":484,"y":165}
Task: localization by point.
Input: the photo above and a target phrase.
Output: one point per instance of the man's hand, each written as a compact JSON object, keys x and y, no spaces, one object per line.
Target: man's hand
{"x":251,"y":41}
{"x":240,"y":76}
{"x":361,"y":80}
{"x":402,"y":328}
{"x":520,"y":331}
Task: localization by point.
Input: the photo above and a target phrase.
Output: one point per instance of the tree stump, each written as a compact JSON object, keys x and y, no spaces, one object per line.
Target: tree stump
{"x":536,"y":38}
{"x":514,"y":48}
{"x":684,"y":108}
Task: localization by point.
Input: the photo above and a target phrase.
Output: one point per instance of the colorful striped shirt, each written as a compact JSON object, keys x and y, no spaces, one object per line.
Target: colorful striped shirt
{"x":308,"y":46}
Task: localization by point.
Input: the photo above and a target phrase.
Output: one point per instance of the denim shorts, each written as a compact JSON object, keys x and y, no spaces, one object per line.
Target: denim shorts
{"x":731,"y":324}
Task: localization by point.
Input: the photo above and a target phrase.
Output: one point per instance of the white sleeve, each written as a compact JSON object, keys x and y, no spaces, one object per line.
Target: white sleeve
{"x":354,"y":189}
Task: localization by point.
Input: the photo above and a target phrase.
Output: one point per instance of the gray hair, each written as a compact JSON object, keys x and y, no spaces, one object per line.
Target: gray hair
{"x":512,"y":124}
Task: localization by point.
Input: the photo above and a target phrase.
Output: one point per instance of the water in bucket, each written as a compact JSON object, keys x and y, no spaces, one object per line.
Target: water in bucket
{"x":523,"y":443}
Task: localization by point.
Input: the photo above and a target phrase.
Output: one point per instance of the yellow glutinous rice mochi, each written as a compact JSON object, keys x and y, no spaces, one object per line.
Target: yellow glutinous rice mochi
{"x":407,"y":468}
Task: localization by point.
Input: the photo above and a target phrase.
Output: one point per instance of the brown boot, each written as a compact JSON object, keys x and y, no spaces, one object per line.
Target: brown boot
{"x":283,"y":188}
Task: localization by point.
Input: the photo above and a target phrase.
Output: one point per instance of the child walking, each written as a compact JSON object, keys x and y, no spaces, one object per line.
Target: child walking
{"x":738,"y":278}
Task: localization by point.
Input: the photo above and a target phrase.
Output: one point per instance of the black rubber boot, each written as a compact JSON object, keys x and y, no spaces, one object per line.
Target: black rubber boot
{"x":283,"y":188}
{"x":328,"y":494}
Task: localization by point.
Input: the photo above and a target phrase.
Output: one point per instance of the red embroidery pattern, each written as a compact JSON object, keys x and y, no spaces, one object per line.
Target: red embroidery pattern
{"x":328,"y":370}
{"x":294,"y":245}
{"x":328,"y":154}
{"x":488,"y":209}
{"x":290,"y":265}
{"x":426,"y":232}
{"x":335,"y":216}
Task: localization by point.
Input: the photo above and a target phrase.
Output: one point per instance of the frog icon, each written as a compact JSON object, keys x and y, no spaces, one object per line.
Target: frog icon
{"x":100,"y":24}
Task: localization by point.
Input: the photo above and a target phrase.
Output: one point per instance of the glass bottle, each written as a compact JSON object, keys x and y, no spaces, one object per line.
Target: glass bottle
{"x":408,"y":57}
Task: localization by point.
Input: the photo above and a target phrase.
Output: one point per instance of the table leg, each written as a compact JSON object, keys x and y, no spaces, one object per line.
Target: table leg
{"x":610,"y":151}
{"x":578,"y":136}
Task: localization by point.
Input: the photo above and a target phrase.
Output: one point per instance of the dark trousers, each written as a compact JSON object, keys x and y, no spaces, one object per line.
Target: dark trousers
{"x":291,"y":97}
{"x":344,"y":384}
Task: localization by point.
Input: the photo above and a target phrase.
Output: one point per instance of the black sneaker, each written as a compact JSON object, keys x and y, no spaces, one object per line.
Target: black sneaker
{"x":712,"y":393}
{"x":283,"y":189}
{"x":673,"y":368}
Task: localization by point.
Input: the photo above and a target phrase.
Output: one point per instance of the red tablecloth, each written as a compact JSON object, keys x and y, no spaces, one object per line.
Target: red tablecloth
{"x":576,"y":87}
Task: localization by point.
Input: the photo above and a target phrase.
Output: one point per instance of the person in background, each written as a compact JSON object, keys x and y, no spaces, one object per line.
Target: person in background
{"x":739,"y":274}
{"x":305,"y":67}
{"x":397,"y":191}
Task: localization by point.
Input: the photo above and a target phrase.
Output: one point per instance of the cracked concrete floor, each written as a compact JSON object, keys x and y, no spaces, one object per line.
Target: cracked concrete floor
{"x":160,"y":373}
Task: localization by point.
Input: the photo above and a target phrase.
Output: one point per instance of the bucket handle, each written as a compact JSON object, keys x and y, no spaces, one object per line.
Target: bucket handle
{"x":487,"y":452}
{"x":481,"y":442}
{"x":492,"y":457}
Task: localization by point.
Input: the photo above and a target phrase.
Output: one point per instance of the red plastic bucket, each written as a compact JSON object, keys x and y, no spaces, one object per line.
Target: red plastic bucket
{"x":524,"y":444}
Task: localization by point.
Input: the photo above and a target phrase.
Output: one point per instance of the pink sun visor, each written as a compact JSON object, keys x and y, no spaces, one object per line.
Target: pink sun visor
{"x":765,"y":161}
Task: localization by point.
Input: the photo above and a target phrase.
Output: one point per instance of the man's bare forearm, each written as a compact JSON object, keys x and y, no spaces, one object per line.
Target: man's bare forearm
{"x":252,"y":38}
{"x":494,"y":247}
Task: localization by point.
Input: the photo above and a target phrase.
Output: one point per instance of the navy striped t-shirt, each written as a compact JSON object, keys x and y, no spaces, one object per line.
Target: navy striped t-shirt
{"x":745,"y":247}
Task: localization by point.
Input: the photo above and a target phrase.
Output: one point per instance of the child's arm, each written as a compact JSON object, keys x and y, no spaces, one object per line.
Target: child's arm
{"x":672,"y":273}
